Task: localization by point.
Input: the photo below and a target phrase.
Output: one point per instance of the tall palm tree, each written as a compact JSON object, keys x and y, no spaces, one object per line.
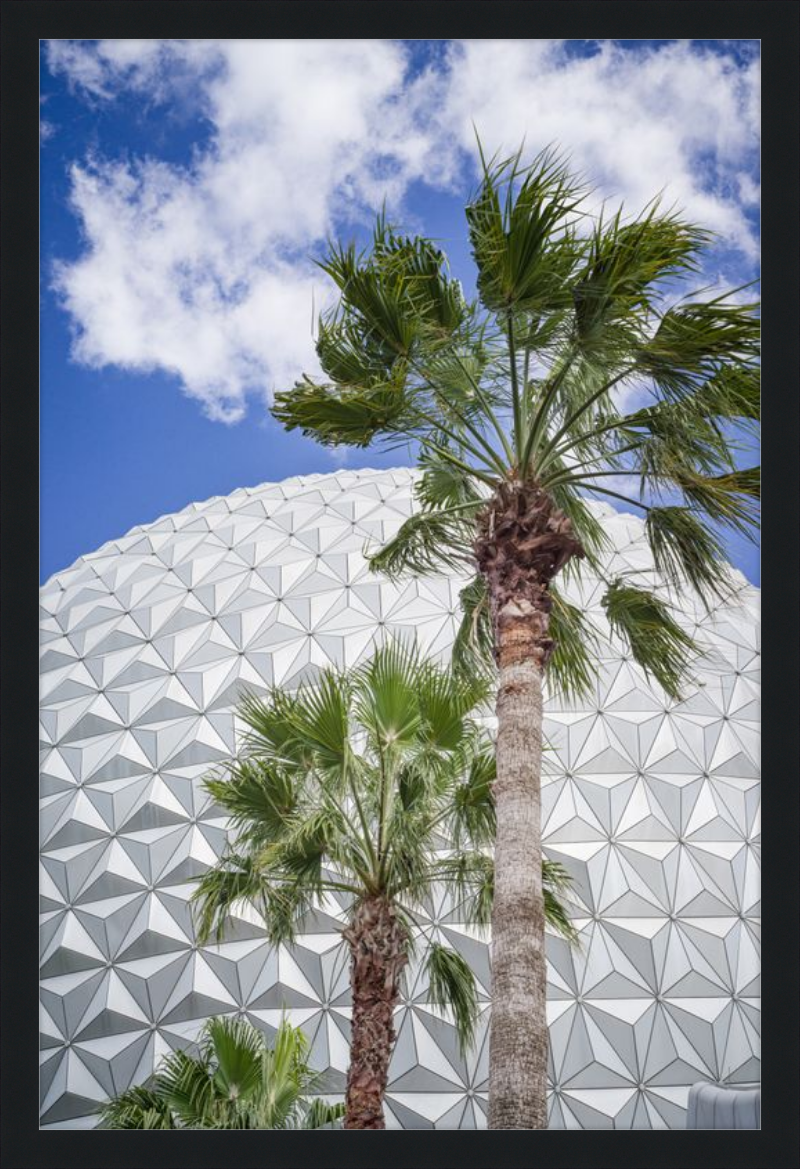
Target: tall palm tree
{"x":514,"y":405}
{"x":375,"y":785}
{"x":236,"y":1080}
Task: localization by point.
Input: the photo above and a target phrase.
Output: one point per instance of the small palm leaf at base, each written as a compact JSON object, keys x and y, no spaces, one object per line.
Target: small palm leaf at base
{"x":138,"y":1107}
{"x":234,"y":1081}
{"x":322,"y":1115}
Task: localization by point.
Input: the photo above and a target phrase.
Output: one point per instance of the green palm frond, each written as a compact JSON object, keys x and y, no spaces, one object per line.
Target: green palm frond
{"x":674,"y":439}
{"x":285,"y":1076}
{"x":626,"y":261}
{"x":730,"y":499}
{"x":571,"y":671}
{"x":686,"y":551}
{"x":319,"y":719}
{"x":442,"y":484}
{"x":468,"y":876}
{"x":473,"y":647}
{"x":446,"y":700}
{"x":138,"y":1107}
{"x":427,"y":541}
{"x":557,"y":917}
{"x":271,"y":728}
{"x":385,"y":696}
{"x":235,"y":1048}
{"x":322,"y":1115}
{"x":693,"y":342}
{"x":185,"y":1082}
{"x":335,"y":417}
{"x":258,"y":795}
{"x":452,"y":984}
{"x":734,"y":392}
{"x":236,"y":879}
{"x":351,"y":359}
{"x":299,"y":855}
{"x":585,"y":524}
{"x":262,"y":881}
{"x":658,"y":643}
{"x":234,"y":1081}
{"x":521,"y":231}
{"x":473,"y":803}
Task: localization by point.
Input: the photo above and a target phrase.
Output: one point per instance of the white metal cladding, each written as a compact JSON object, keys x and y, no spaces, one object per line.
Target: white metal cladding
{"x":652,"y":805}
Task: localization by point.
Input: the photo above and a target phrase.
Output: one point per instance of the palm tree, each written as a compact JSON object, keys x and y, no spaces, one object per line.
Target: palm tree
{"x":514,"y":405}
{"x":236,"y":1080}
{"x":374,"y":785}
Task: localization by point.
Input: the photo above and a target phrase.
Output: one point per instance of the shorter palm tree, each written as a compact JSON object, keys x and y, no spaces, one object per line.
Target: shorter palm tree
{"x":236,"y":1080}
{"x":373,"y":786}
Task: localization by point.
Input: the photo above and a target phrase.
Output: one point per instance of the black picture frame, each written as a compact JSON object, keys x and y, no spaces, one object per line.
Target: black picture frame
{"x":777,"y":24}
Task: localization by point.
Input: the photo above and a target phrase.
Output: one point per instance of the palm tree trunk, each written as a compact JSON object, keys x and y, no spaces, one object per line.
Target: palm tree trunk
{"x":523,"y":542}
{"x":378,"y":943}
{"x":518,"y":1035}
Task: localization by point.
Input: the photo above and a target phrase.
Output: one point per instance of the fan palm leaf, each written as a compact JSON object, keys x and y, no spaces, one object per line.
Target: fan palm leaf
{"x":234,"y":1080}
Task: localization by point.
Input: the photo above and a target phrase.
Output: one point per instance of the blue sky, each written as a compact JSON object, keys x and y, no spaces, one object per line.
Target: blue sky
{"x":187,"y":187}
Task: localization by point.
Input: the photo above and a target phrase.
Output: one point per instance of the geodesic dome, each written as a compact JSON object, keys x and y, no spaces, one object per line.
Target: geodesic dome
{"x":652,"y":805}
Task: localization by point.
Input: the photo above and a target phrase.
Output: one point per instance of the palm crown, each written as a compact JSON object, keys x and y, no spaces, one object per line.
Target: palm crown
{"x":512,"y":401}
{"x":373,"y":785}
{"x":235,"y":1080}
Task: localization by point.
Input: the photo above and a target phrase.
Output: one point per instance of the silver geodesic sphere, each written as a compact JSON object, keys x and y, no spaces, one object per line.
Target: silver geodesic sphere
{"x":652,"y":806}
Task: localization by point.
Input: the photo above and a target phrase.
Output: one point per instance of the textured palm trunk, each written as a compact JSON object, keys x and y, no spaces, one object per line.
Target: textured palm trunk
{"x":518,"y":1036}
{"x":523,"y":542}
{"x":378,"y":943}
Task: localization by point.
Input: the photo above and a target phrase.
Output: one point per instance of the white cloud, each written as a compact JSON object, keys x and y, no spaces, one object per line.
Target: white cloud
{"x":46,"y":129}
{"x":203,"y":270}
{"x":676,"y":117}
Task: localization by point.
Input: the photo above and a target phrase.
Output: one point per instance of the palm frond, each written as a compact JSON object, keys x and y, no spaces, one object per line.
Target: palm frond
{"x":236,"y":879}
{"x":693,"y":342}
{"x":557,"y":881}
{"x":234,"y":1081}
{"x":445,"y":702}
{"x":351,"y":417}
{"x":734,"y":392}
{"x":686,"y":551}
{"x":272,"y":730}
{"x":730,"y":499}
{"x":570,"y":671}
{"x":626,"y":262}
{"x":522,"y":236}
{"x":138,"y":1107}
{"x":473,"y":647}
{"x":474,"y":820}
{"x":385,"y":696}
{"x":658,"y":643}
{"x":319,"y":719}
{"x":468,"y":876}
{"x":185,"y":1083}
{"x":236,"y":1049}
{"x":427,"y":541}
{"x":268,"y":883}
{"x":442,"y":484}
{"x":452,"y":984}
{"x":674,"y":439}
{"x":322,"y":1115}
{"x":259,"y":796}
{"x":297,"y":858}
{"x":585,"y":524}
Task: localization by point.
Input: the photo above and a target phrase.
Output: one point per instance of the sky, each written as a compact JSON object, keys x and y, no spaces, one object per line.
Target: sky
{"x":187,"y":188}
